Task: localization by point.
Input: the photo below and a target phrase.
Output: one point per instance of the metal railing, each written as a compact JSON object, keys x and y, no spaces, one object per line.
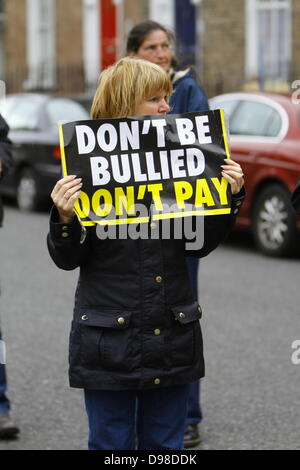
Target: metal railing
{"x":71,"y":80}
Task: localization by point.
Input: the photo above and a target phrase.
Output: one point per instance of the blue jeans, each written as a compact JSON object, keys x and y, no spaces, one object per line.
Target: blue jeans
{"x":194,"y":413}
{"x":4,"y":402}
{"x":137,"y":419}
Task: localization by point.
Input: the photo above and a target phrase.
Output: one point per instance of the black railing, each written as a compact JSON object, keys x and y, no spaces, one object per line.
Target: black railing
{"x":71,"y":80}
{"x":61,"y":80}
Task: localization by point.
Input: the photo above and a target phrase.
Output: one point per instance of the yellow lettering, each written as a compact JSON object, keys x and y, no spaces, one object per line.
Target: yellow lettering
{"x":183,"y":191}
{"x":221,"y":187}
{"x":107,"y":200}
{"x":203,"y":194}
{"x":155,"y":190}
{"x":82,"y":205}
{"x":124,"y":201}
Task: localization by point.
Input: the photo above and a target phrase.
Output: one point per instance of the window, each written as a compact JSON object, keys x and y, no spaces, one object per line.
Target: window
{"x":91,"y":35}
{"x":40,"y":44}
{"x":257,"y":119}
{"x":268,"y":39}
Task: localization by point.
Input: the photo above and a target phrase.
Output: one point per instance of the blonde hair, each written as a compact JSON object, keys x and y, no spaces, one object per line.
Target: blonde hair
{"x":125,"y":85}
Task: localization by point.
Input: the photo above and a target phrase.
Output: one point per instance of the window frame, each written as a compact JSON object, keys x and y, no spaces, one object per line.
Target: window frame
{"x":252,"y":35}
{"x":40,"y":45}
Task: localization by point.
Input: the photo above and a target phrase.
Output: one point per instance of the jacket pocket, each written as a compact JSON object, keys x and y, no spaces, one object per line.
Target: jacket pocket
{"x":105,"y":338}
{"x":186,"y":339}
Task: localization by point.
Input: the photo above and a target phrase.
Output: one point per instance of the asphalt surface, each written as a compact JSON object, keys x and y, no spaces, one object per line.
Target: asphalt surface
{"x":250,"y":395}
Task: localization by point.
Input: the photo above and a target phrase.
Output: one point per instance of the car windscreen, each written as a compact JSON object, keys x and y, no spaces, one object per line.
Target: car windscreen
{"x":228,"y":106}
{"x":62,"y":110}
{"x":255,"y":118}
{"x":21,"y":112}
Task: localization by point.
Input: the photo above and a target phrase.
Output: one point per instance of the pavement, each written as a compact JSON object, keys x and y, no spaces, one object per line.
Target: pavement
{"x":251,"y":316}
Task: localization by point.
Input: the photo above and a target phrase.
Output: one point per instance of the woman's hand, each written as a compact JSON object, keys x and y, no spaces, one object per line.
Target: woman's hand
{"x":233,"y":173}
{"x":64,"y":196}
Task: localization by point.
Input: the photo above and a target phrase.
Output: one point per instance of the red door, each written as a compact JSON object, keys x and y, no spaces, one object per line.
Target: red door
{"x":108,"y":33}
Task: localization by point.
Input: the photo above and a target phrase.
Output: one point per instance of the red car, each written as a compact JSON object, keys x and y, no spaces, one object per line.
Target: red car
{"x":265,"y":139}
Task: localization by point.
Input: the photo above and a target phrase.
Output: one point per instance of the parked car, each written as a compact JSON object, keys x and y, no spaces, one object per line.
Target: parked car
{"x":33,"y":120}
{"x":265,"y":140}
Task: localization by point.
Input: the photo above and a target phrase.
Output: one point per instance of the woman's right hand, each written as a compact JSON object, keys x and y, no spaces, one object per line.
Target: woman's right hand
{"x":64,"y":196}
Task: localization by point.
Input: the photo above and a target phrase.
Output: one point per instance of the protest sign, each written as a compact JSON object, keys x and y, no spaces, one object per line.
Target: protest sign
{"x":168,"y":164}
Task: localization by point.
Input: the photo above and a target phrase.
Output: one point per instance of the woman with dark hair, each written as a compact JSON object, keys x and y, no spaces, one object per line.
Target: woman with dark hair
{"x":151,"y":41}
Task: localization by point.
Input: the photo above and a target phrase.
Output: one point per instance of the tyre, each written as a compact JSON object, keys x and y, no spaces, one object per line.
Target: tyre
{"x":274,"y":222}
{"x":27,"y":191}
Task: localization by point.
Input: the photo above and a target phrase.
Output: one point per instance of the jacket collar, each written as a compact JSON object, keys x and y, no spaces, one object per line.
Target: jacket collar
{"x":175,"y":76}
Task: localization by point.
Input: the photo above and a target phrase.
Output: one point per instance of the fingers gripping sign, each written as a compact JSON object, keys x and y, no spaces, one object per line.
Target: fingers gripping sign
{"x":64,"y":196}
{"x":233,"y":173}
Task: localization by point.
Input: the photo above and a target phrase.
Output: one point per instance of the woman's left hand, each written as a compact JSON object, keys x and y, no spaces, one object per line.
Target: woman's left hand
{"x":233,"y":173}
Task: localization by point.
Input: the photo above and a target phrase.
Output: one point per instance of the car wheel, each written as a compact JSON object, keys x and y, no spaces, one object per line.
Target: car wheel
{"x":274,"y":222}
{"x":27,"y":191}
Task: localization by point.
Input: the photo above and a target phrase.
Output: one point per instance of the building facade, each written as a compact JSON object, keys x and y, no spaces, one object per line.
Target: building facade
{"x":250,"y":44}
{"x":60,"y":46}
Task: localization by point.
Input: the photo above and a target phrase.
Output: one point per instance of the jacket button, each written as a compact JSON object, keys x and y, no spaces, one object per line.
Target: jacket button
{"x":181,"y":315}
{"x":64,"y":234}
{"x":238,"y":203}
{"x":235,"y":211}
{"x":158,"y":278}
{"x":157,"y":332}
{"x":65,"y":227}
{"x":157,"y":381}
{"x":121,"y":320}
{"x":84,"y":317}
{"x":199,"y":309}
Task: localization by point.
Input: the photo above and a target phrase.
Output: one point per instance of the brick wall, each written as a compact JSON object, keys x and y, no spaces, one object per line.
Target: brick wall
{"x":15,"y":45}
{"x":223,"y":45}
{"x":135,"y":11}
{"x":68,"y":43}
{"x":69,"y":51}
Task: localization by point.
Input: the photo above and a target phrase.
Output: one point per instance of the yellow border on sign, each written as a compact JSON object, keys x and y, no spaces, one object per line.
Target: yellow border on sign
{"x":62,"y":151}
{"x":189,"y":213}
{"x":224,"y":133}
{"x":137,"y":220}
{"x":131,"y":220}
{"x":64,"y":168}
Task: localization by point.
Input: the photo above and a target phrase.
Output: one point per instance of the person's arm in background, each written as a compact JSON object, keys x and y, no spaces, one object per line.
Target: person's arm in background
{"x":5,"y":148}
{"x":196,"y":97}
{"x":5,"y":156}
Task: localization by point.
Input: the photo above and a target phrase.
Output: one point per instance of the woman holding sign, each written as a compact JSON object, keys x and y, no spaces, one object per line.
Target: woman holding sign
{"x":152,"y":41}
{"x":135,"y":342}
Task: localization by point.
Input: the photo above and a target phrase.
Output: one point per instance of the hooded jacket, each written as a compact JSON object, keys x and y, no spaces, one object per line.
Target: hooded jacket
{"x":188,"y":95}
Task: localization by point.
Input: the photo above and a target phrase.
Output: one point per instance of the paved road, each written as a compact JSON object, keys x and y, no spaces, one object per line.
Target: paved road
{"x":251,"y":306}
